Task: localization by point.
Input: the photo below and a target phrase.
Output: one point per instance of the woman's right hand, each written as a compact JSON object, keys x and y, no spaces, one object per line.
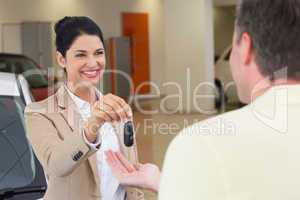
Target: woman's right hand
{"x":108,"y":108}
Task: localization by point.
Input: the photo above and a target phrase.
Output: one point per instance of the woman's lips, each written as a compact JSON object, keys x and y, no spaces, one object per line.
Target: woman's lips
{"x":91,"y":73}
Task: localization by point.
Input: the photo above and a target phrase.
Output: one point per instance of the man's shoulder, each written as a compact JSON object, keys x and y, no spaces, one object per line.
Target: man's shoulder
{"x":198,"y":143}
{"x":221,"y":127}
{"x":218,"y":125}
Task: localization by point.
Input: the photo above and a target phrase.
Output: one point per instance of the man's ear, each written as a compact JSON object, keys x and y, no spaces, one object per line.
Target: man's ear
{"x":247,"y":48}
{"x":60,"y":59}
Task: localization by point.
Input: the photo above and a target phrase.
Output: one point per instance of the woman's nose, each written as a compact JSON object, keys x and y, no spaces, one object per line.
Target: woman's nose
{"x":92,"y":61}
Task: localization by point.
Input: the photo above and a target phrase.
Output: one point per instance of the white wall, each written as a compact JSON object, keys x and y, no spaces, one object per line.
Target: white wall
{"x":224,"y":18}
{"x":10,"y":37}
{"x":107,"y":13}
{"x":189,"y":53}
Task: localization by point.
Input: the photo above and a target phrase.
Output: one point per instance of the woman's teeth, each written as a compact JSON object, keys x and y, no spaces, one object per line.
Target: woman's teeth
{"x":90,"y":73}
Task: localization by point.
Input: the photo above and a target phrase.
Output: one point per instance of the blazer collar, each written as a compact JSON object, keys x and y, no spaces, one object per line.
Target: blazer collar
{"x":68,"y":108}
{"x":63,"y":98}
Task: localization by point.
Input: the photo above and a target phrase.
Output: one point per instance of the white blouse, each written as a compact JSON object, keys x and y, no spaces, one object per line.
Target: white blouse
{"x":110,"y":187}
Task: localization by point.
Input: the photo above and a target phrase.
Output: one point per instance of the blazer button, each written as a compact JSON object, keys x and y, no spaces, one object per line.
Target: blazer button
{"x":77,"y":156}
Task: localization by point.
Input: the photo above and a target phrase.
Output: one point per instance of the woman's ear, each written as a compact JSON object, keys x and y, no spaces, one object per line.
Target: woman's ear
{"x":60,"y":59}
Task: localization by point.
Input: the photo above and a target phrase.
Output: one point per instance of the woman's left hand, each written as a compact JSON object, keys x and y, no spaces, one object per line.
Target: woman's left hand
{"x":146,"y":176}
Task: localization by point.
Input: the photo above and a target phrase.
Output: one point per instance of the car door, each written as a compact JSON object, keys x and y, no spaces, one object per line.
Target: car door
{"x":21,"y":175}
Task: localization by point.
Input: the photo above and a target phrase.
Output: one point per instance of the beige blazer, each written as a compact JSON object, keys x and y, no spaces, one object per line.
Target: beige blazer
{"x":54,"y":128}
{"x":249,"y":154}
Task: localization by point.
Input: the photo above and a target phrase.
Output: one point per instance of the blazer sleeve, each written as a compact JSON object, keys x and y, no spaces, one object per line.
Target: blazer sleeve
{"x":191,"y":170}
{"x":60,"y":156}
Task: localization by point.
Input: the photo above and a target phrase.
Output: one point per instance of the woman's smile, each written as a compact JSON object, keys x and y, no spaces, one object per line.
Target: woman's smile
{"x":91,"y":73}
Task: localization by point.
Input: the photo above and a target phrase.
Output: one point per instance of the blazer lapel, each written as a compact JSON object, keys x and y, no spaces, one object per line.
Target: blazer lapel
{"x":68,"y":109}
{"x":72,"y":116}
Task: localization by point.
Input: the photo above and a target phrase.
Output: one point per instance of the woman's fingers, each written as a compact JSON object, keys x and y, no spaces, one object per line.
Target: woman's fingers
{"x":123,"y":105}
{"x":107,"y":109}
{"x":129,"y":166}
{"x":102,"y":116}
{"x":114,"y":107}
{"x":144,"y":176}
{"x":114,"y":163}
{"x":138,"y":166}
{"x":117,"y":159}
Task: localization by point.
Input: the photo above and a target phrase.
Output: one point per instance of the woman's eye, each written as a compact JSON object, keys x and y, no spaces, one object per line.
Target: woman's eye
{"x":79,"y":55}
{"x":99,"y":52}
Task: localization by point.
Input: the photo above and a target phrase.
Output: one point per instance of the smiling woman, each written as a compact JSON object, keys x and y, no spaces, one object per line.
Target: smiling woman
{"x":71,"y":130}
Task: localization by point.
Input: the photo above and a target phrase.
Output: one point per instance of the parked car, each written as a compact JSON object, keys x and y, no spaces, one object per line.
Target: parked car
{"x":21,"y":175}
{"x":33,"y":73}
{"x":227,"y":91}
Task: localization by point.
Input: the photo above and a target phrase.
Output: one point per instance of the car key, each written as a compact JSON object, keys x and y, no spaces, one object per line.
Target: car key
{"x":128,"y":134}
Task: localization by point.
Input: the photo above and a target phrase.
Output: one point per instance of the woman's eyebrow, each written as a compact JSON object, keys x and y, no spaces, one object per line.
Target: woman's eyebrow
{"x":100,"y":49}
{"x":82,"y":51}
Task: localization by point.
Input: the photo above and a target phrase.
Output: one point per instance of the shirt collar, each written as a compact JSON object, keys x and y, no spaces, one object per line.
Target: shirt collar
{"x":80,"y":103}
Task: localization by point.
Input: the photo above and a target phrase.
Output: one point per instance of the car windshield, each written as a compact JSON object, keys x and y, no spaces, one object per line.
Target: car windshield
{"x":22,"y":65}
{"x":18,"y":168}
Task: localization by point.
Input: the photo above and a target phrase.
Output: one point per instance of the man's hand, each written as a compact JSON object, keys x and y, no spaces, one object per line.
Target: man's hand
{"x":146,"y":176}
{"x":109,"y":108}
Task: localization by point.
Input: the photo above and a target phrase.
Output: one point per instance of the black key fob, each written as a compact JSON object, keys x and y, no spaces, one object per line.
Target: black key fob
{"x":128,"y":134}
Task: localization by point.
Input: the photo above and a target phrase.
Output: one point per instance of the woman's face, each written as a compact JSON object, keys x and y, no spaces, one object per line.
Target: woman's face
{"x":84,"y":61}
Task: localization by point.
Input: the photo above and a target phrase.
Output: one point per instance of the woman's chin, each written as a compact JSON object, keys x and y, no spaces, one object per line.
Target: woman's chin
{"x":93,"y":82}
{"x":86,"y":82}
